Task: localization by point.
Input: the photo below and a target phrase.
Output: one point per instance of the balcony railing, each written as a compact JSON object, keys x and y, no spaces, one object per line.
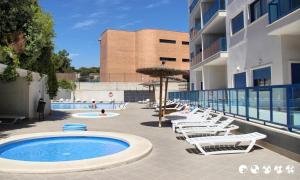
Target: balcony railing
{"x":281,"y":8}
{"x":193,"y":5}
{"x":279,"y":105}
{"x":195,"y":30}
{"x":215,"y":47}
{"x":217,"y":6}
{"x":197,"y":59}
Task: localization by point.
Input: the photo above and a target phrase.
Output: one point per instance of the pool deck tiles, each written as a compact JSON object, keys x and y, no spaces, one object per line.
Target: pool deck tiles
{"x":170,"y":159}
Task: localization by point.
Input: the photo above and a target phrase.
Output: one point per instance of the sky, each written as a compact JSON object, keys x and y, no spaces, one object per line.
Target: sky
{"x":78,"y":24}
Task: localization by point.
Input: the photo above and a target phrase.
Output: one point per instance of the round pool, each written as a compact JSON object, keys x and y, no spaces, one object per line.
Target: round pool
{"x":61,"y":152}
{"x":95,"y":115}
{"x":55,"y":149}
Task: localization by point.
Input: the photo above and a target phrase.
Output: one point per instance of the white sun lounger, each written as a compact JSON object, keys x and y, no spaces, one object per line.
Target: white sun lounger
{"x":10,"y":119}
{"x":224,"y":127}
{"x":197,"y":122}
{"x":211,"y":130}
{"x":216,"y":121}
{"x":223,"y":141}
{"x":194,"y":117}
{"x":184,"y":114}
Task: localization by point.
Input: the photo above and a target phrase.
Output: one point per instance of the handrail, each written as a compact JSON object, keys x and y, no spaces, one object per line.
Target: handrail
{"x":193,"y":5}
{"x":218,"y":5}
{"x":215,"y":47}
{"x":278,"y":104}
{"x":281,"y":8}
{"x":197,"y":59}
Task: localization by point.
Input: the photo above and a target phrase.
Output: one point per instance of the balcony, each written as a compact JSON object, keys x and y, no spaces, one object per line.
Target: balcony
{"x":219,"y":45}
{"x":284,"y":17}
{"x":218,"y":5}
{"x":197,"y":59}
{"x":281,"y":8}
{"x":193,"y":5}
{"x":194,"y":31}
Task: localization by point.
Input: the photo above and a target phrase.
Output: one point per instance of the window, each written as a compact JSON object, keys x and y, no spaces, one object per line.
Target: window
{"x":185,"y":60}
{"x":185,"y":43}
{"x":262,"y":77}
{"x":257,"y":9}
{"x":192,"y":86}
{"x":167,"y":41}
{"x":295,"y":73}
{"x":240,"y":80}
{"x":237,"y":23}
{"x":167,"y":59}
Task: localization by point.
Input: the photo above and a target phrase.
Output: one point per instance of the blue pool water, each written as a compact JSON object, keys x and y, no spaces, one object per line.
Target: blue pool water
{"x":95,"y":115}
{"x":55,"y":149}
{"x":82,"y":106}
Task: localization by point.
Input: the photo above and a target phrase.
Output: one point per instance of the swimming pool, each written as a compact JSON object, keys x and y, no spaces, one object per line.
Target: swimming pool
{"x":62,"y":152}
{"x":85,"y":106}
{"x":95,"y":115}
{"x":56,"y":149}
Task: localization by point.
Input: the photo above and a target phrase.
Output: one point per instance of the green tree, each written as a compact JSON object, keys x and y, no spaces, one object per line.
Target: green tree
{"x":52,"y":82}
{"x":39,"y":36}
{"x":86,"y":71}
{"x":62,"y":62}
{"x":15,"y":16}
{"x":65,"y":84}
{"x":11,"y":60}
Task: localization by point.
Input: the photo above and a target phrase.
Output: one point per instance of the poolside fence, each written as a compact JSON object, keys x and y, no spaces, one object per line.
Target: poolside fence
{"x":279,"y":104}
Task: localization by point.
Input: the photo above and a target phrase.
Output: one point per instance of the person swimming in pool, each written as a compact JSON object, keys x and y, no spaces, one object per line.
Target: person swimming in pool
{"x":94,"y":105}
{"x":103,"y":112}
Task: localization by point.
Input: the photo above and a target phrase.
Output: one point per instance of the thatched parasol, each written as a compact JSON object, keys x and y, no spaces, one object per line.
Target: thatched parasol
{"x":161,"y":72}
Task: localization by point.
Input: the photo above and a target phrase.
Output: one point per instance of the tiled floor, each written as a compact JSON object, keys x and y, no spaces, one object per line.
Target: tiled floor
{"x":170,"y":159}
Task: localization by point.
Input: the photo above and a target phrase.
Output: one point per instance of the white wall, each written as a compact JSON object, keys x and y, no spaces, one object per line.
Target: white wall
{"x":37,"y":90}
{"x":214,"y":77}
{"x":20,"y":97}
{"x":252,"y":47}
{"x":290,"y":54}
{"x":99,"y":91}
{"x":88,"y":95}
{"x":64,"y":93}
{"x":109,"y":86}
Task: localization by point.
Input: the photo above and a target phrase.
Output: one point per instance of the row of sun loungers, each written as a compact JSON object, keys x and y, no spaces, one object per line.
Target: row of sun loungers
{"x":212,"y":134}
{"x":11,"y":119}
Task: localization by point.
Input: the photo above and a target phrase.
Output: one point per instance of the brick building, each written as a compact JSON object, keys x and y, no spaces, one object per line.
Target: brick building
{"x":122,"y":52}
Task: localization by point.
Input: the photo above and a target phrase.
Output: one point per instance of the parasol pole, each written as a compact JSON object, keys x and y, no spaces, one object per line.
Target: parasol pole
{"x":160,"y":100}
{"x":166,"y":94}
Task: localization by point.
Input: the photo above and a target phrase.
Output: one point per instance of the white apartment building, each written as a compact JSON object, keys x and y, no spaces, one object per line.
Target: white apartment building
{"x":239,"y":43}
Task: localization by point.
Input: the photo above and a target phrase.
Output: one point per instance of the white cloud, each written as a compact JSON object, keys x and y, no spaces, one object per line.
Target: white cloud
{"x":124,"y":8}
{"x":121,"y":16}
{"x":162,"y":2}
{"x":76,"y":15}
{"x":97,"y":14}
{"x":72,"y":55}
{"x":84,"y":24}
{"x":114,"y":2}
{"x":130,"y":24}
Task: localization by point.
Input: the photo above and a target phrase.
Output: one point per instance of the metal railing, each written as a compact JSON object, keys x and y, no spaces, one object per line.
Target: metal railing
{"x":196,"y":59}
{"x":279,"y":105}
{"x":217,"y":6}
{"x":193,"y":5}
{"x":215,"y":47}
{"x":281,"y":8}
{"x":124,"y":77}
{"x":194,"y":31}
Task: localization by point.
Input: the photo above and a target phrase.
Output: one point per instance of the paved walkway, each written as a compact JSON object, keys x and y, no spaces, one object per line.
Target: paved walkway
{"x":170,"y":159}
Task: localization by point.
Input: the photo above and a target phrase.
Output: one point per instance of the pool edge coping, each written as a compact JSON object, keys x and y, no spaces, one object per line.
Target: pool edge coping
{"x":138,"y":149}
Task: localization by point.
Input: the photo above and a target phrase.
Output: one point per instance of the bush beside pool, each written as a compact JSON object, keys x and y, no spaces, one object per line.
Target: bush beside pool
{"x":138,"y":148}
